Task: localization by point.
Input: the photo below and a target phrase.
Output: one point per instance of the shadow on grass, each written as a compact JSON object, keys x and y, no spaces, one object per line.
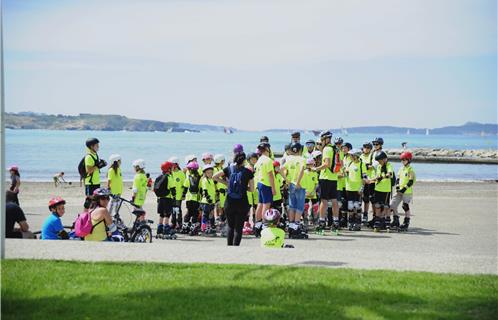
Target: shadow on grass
{"x":234,"y":302}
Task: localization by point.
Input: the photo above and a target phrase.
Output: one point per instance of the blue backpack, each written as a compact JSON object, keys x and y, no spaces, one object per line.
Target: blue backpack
{"x":235,"y":188}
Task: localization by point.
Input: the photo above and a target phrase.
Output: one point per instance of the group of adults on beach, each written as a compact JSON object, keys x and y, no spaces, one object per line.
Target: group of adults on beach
{"x":324,"y":183}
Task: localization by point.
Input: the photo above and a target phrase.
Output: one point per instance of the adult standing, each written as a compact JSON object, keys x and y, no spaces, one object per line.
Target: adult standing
{"x":15,"y":183}
{"x":238,"y":180}
{"x":92,"y":166}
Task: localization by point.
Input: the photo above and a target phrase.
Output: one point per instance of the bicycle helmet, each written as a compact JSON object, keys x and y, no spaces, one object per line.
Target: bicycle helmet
{"x":355,"y":152}
{"x":238,"y":148}
{"x":264,"y":139}
{"x":264,"y":145}
{"x":207,"y":167}
{"x":276,"y":164}
{"x":167,"y":166}
{"x":219,"y":158}
{"x":193,"y":166}
{"x":378,"y":140}
{"x":315,"y":154}
{"x":174,"y":160}
{"x":272,"y":216}
{"x":13,"y":168}
{"x":325,"y":134}
{"x":296,"y":134}
{"x":338,"y":140}
{"x":55,"y":201}
{"x":207,"y":156}
{"x":381,"y":156}
{"x":91,"y":142}
{"x":310,"y":161}
{"x":296,"y":147}
{"x":139,"y":163}
{"x":406,"y":156}
{"x":348,"y":145}
{"x":310,"y":143}
{"x":114,"y":157}
{"x":101,"y":192}
{"x":368,"y":145}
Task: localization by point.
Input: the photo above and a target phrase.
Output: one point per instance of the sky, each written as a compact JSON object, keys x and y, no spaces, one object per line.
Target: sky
{"x":257,"y":64}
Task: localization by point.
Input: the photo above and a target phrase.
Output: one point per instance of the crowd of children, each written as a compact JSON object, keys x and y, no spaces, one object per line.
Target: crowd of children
{"x":324,"y":185}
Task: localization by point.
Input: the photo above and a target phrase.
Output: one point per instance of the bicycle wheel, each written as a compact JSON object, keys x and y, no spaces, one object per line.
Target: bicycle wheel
{"x":143,"y":234}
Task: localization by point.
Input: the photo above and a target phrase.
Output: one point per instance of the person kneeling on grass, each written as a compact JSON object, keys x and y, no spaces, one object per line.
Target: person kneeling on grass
{"x":52,"y":228}
{"x":272,"y":236}
{"x":101,"y":218}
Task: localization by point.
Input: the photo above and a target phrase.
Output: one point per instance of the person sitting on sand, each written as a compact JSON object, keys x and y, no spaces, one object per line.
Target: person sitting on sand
{"x":52,"y":228}
{"x":101,"y":218}
{"x":15,"y":214}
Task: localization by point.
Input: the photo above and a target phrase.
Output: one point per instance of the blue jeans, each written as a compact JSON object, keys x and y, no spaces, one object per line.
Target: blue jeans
{"x":296,"y":198}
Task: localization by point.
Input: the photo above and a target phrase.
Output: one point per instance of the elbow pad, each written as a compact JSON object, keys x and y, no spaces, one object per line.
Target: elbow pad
{"x":410,"y":183}
{"x":135,"y":190}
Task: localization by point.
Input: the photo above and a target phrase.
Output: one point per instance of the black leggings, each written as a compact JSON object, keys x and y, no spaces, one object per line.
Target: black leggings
{"x":192,"y":212}
{"x":236,"y":213}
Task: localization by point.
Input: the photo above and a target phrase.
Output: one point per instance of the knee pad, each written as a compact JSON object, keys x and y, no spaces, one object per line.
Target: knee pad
{"x":316,"y":207}
{"x":406,"y":207}
{"x":329,"y":203}
{"x":176,"y":210}
{"x":306,"y":207}
{"x":350,"y":205}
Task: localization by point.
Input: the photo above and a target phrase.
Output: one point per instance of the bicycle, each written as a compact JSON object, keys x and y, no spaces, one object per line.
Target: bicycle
{"x":140,"y":230}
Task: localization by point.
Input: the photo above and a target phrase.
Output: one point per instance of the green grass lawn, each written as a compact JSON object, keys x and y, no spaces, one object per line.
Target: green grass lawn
{"x":34,"y":289}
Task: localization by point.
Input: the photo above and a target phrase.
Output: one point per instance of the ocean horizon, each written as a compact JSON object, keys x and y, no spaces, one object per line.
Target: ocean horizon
{"x":43,"y":153}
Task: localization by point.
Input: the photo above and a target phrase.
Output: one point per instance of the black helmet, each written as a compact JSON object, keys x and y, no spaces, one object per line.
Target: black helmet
{"x":338,"y":140}
{"x":348,"y":145}
{"x":325,"y":134}
{"x":381,"y":156}
{"x":296,"y":134}
{"x":91,"y":142}
{"x":367,"y":145}
{"x":264,"y":139}
{"x":378,"y":140}
{"x":252,"y":155}
{"x":296,"y":147}
{"x":264,"y":146}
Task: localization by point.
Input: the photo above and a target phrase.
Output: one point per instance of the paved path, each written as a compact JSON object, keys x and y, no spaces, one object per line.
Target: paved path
{"x":454,"y":230}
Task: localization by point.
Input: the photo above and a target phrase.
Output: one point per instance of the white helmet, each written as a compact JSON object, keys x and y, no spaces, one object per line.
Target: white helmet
{"x":219,"y":158}
{"x":114,"y":157}
{"x":316,"y":153}
{"x":355,"y":152}
{"x":190,"y":157}
{"x":139,"y":163}
{"x":207,"y":166}
{"x":174,"y":160}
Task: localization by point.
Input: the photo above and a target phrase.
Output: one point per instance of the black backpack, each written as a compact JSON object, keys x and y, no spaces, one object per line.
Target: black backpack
{"x":161,"y":186}
{"x":194,"y":183}
{"x":235,"y":188}
{"x":82,"y":167}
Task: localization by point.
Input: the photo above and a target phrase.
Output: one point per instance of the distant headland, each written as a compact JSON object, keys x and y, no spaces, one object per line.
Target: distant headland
{"x":96,"y":122}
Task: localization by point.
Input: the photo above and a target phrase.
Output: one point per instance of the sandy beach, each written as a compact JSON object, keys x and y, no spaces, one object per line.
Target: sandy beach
{"x":454,"y":229}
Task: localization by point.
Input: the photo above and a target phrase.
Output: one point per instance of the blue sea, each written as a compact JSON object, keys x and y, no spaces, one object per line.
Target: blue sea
{"x":42,"y":153}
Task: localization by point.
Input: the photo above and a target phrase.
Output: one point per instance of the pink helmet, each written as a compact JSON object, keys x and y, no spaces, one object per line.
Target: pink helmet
{"x":193,"y":166}
{"x":310,"y":161}
{"x":272,"y":216}
{"x":14,"y":167}
{"x":207,"y":155}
